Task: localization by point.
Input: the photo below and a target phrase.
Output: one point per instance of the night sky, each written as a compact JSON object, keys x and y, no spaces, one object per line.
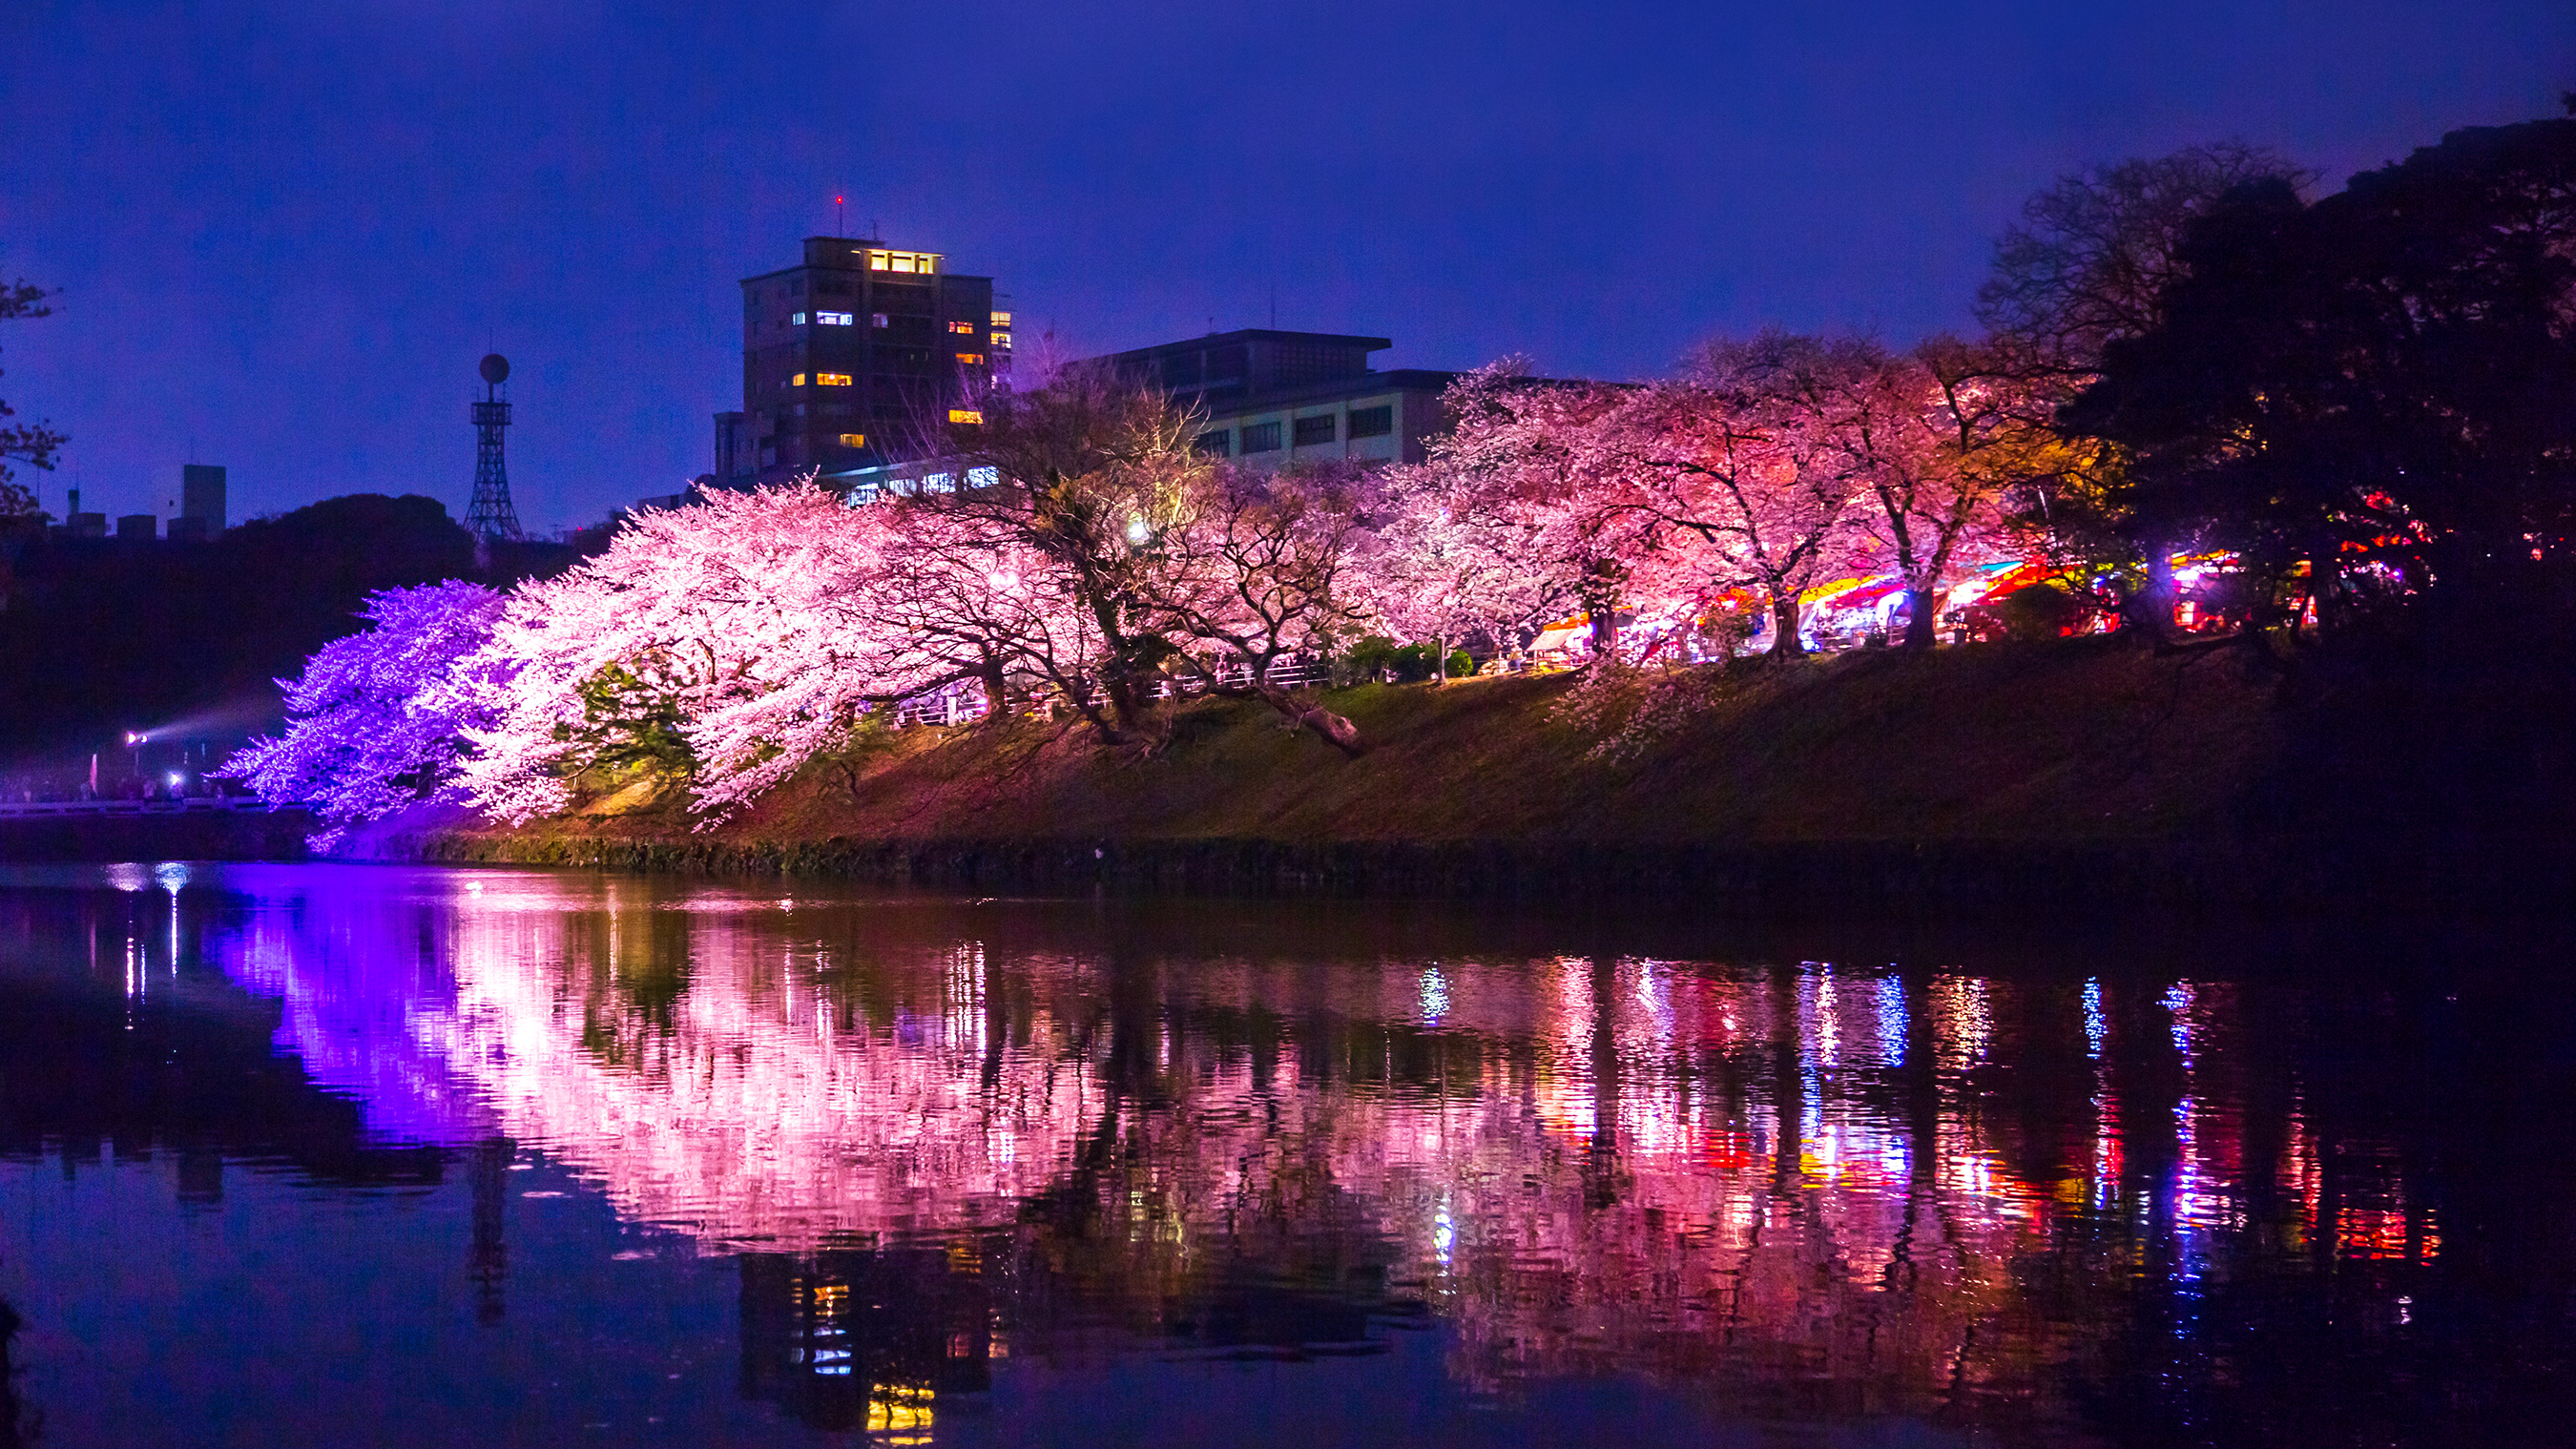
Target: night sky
{"x":284,"y":232}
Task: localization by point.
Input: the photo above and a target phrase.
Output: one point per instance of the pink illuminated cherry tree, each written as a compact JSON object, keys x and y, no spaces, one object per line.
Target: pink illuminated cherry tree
{"x":1740,"y":475}
{"x":1515,"y":519}
{"x":725,"y":642}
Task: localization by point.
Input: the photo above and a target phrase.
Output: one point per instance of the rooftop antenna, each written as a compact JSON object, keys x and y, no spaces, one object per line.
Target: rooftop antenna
{"x":840,"y":216}
{"x":492,"y":515}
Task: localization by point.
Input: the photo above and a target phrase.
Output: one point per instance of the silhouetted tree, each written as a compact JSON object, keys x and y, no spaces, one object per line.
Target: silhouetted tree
{"x":2086,"y":266}
{"x":2376,"y":389}
{"x":31,"y":443}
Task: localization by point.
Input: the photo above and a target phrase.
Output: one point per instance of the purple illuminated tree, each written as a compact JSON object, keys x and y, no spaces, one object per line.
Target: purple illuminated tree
{"x":379,"y":718}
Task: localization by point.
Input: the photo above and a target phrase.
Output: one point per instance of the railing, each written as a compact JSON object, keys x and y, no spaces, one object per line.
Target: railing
{"x":965,"y":704}
{"x":194,"y":804}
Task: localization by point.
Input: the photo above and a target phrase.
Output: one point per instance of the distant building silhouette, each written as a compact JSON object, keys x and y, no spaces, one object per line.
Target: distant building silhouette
{"x":201,"y":501}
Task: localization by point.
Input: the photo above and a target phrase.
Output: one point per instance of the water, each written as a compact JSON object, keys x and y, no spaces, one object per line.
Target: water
{"x":327,"y":1154}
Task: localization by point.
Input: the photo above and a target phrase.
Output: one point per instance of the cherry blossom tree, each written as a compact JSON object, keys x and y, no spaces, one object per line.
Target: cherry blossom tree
{"x":1516,"y":517}
{"x":981,"y":602}
{"x":379,"y":718}
{"x":1252,"y":571}
{"x":1935,"y":440}
{"x":717,"y":643}
{"x":1082,"y":475}
{"x":1738,"y":475}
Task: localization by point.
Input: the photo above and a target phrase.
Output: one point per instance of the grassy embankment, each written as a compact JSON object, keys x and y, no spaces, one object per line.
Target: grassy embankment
{"x":2004,"y":773}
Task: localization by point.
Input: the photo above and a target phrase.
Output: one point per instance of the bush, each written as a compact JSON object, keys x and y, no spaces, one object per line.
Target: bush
{"x":1411,"y":663}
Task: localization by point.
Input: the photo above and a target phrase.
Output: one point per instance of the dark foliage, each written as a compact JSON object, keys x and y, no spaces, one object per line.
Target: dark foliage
{"x":31,"y":443}
{"x":98,"y":636}
{"x":2381,"y":384}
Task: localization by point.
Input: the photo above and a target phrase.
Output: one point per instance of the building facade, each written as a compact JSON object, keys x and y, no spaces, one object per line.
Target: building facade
{"x":846,"y":355}
{"x":1269,"y":398}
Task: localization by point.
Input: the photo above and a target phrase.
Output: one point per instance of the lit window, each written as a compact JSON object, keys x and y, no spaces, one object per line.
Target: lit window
{"x":970,"y":359}
{"x":831,"y":379}
{"x":833,"y":319}
{"x":965,"y":415}
{"x":797,"y":381}
{"x":987,"y":476}
{"x":939,"y":483}
{"x":854,"y":440}
{"x":1002,"y":341}
{"x":965,"y":329}
{"x":877,"y":319}
{"x":915,"y":262}
{"x":796,"y":319}
{"x":1001,"y":319}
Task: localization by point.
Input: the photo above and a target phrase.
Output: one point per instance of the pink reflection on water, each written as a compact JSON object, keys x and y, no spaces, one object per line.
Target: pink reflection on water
{"x":1584,"y":1161}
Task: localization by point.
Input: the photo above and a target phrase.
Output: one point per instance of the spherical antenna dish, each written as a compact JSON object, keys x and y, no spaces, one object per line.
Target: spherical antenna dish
{"x":496,"y":369}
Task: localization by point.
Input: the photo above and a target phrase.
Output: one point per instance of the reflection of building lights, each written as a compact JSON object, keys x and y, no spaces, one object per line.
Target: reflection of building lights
{"x":902,"y":1411}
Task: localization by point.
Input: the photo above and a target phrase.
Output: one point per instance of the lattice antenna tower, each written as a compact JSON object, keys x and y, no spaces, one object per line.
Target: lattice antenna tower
{"x":492,"y":514}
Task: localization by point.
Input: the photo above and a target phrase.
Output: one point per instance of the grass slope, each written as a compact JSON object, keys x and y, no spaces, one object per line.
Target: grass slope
{"x":2078,"y":740}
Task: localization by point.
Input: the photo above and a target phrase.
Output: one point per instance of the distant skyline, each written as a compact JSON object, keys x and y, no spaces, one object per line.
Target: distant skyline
{"x":285,"y":230}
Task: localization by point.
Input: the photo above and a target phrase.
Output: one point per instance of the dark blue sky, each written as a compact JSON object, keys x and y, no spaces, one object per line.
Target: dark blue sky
{"x":285,"y":229}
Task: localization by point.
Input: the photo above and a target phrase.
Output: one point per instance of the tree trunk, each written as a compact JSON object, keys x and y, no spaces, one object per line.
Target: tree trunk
{"x":1439,"y":661}
{"x":1785,"y":643}
{"x":997,"y":709}
{"x":1924,"y":629}
{"x":2154,"y":609}
{"x":1329,"y":727}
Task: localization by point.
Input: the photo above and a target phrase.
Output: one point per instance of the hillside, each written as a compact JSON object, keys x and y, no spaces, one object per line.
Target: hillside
{"x":2075,"y":768}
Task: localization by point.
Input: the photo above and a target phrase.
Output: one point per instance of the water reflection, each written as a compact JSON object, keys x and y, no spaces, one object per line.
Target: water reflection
{"x":936,"y":1137}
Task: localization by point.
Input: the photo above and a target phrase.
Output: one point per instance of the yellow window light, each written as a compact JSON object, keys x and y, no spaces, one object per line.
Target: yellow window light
{"x":971,"y":359}
{"x":965,"y":415}
{"x":1001,"y":319}
{"x":831,"y":379}
{"x":963,"y":328}
{"x":854,"y":440}
{"x":1002,"y":340}
{"x":797,"y":381}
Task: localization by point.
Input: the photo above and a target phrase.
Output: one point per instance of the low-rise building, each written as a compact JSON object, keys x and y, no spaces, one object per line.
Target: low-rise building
{"x":1268,"y":397}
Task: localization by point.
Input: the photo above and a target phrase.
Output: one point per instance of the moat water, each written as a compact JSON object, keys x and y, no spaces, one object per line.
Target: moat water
{"x":326,"y":1154}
